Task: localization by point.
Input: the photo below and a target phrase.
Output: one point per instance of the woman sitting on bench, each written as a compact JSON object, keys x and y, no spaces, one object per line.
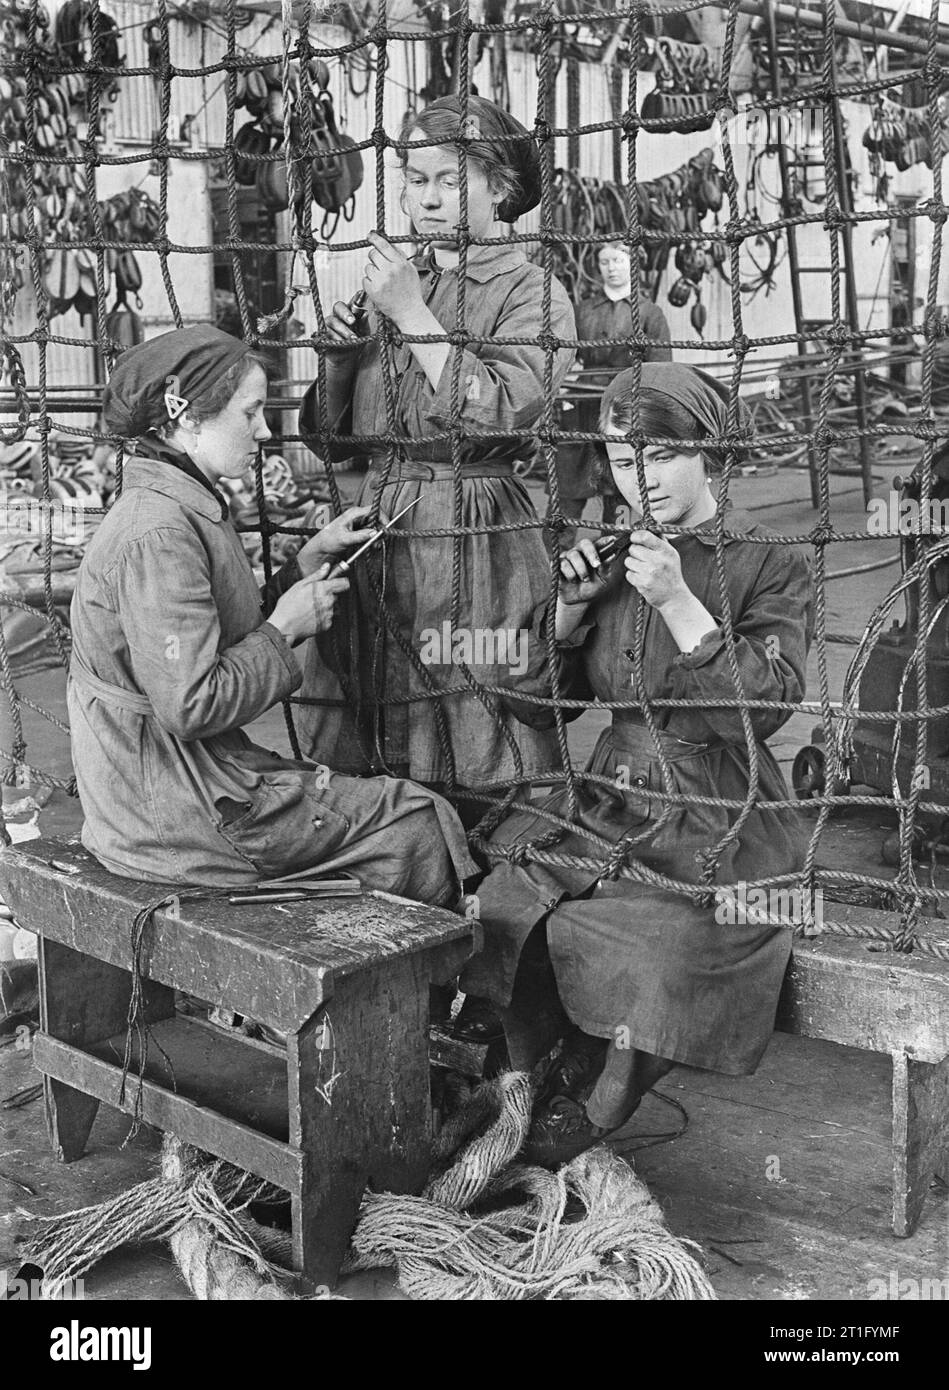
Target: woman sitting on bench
{"x":635,"y":977}
{"x":175,"y":648}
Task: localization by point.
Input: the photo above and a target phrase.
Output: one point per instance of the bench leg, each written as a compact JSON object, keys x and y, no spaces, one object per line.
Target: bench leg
{"x":920,"y":1135}
{"x":373,"y":1034}
{"x":83,"y":1000}
{"x":69,"y":1117}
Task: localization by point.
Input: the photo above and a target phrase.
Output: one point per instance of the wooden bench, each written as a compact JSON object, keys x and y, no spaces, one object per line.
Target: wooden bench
{"x":347,"y":980}
{"x":855,"y":991}
{"x":363,"y":967}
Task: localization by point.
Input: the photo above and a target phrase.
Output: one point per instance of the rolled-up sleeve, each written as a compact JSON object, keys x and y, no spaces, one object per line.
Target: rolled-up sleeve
{"x":162,"y":591}
{"x":771,"y":639}
{"x":501,"y":387}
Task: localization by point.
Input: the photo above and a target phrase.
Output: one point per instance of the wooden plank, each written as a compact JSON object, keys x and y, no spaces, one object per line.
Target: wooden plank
{"x":81,"y":1001}
{"x":458,"y":1054}
{"x":217,"y":1068}
{"x":278,"y":966}
{"x":840,"y":989}
{"x":193,"y":1124}
{"x":376,"y":1126}
{"x":920,"y":1136}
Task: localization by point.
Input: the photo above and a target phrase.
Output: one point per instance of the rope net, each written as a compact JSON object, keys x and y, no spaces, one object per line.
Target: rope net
{"x":660,"y":129}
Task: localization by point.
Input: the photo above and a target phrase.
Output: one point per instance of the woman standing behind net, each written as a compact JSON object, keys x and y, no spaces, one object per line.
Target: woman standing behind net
{"x":380,"y":713}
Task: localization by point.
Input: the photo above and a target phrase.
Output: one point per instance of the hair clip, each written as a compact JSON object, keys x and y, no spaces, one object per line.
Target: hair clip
{"x":175,"y":403}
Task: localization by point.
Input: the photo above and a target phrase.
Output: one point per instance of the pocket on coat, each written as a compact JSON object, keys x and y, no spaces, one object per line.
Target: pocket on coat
{"x":280,"y":825}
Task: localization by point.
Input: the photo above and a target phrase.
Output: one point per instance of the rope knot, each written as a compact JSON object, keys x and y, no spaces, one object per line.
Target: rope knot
{"x":548,"y":341}
{"x":707,"y":860}
{"x":838,"y":334}
{"x":619,"y":855}
{"x":724,"y":108}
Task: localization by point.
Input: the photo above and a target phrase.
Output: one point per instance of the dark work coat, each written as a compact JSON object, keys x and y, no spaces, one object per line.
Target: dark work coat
{"x":637,"y":956}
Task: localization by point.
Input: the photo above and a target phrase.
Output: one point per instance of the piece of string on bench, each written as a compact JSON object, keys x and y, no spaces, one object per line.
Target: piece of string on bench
{"x":542,"y":34}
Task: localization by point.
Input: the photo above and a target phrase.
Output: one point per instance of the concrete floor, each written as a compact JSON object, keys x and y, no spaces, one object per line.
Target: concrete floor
{"x":783,"y":1177}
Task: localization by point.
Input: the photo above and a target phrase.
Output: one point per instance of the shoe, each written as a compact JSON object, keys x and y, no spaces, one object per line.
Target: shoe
{"x":476,"y":1022}
{"x":575,"y":1069}
{"x":559,"y":1131}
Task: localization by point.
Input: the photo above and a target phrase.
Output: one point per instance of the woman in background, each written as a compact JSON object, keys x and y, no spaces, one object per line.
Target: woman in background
{"x":582,"y":469}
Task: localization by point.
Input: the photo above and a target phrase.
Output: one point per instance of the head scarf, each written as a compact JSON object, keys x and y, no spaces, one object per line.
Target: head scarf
{"x":156,"y":381}
{"x":495,"y":129}
{"x":697,"y":392}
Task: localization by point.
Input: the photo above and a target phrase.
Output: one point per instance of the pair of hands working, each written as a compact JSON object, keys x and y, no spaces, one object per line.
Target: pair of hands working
{"x":392,"y":285}
{"x":391,"y":282}
{"x":653,"y":568}
{"x":308,"y":606}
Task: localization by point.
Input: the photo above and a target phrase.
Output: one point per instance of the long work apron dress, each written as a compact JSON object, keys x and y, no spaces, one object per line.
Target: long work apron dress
{"x":172,"y":653}
{"x":402,"y":698}
{"x":642,"y":965}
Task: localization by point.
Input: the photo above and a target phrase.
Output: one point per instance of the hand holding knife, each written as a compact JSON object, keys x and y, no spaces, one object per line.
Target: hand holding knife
{"x":342,"y":567}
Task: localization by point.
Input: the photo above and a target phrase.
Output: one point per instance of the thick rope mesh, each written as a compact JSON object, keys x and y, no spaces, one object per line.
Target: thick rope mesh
{"x":109,"y":112}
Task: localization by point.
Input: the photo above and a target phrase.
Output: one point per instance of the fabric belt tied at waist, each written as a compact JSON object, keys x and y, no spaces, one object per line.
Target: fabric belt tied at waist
{"x":418,"y":470}
{"x":632,"y":735}
{"x":115,"y":695}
